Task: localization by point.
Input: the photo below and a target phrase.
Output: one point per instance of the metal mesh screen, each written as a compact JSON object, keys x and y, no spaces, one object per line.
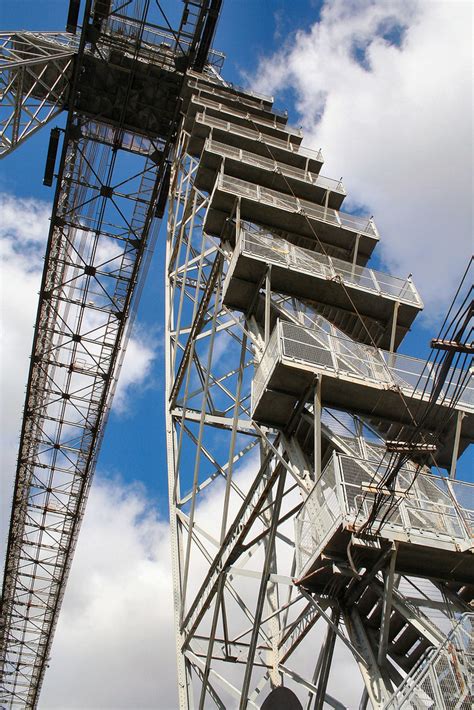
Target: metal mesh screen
{"x":423,"y":506}
{"x":267,"y":363}
{"x":318,"y":518}
{"x":280,"y":251}
{"x":443,"y":678}
{"x":361,"y":225}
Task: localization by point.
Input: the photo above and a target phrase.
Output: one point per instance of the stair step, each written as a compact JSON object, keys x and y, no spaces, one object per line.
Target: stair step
{"x":417,"y":652}
{"x":375,"y":617}
{"x":405,"y":640}
{"x":367,"y":602}
{"x":397,"y":622}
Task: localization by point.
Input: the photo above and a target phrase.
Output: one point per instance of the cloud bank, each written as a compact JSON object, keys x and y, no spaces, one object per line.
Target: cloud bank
{"x":114,"y":644}
{"x":385,"y":88}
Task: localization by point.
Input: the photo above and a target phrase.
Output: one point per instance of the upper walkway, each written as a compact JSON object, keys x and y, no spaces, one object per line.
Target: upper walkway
{"x":423,"y":513}
{"x":267,"y":172}
{"x":282,"y":149}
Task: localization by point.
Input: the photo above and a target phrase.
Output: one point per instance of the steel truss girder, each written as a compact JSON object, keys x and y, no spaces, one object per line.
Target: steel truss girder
{"x":102,"y":230}
{"x":197,"y":389}
{"x":35,"y":73}
{"x":91,"y":270}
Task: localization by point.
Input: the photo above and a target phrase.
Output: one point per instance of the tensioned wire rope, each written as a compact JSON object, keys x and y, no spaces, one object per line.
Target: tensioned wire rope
{"x":459,"y":387}
{"x":417,"y":429}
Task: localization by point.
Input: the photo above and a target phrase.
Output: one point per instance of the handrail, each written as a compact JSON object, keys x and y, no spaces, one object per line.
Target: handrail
{"x":208,"y":103}
{"x":247,"y":156}
{"x":328,"y":215}
{"x":427,"y":508}
{"x":219,"y":90}
{"x":239,"y":89}
{"x":255,"y":135}
{"x":360,"y":362}
{"x":428,"y":685}
{"x":327,"y":267}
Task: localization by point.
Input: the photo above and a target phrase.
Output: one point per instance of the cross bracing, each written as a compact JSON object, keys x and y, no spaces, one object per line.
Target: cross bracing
{"x":111,"y":185}
{"x":298,"y":539}
{"x":236,"y":270}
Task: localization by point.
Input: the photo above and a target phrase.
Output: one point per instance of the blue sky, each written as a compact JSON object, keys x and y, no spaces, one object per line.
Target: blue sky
{"x":133,"y":448}
{"x":248,"y":33}
{"x":385,"y":89}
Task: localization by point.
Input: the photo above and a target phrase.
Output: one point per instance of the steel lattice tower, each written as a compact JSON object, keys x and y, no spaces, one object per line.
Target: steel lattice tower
{"x":308,"y":526}
{"x":286,"y":394}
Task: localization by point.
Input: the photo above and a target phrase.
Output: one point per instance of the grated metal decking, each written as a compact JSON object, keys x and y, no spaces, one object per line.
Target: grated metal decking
{"x":265,"y":171}
{"x":348,"y":233}
{"x":354,"y":376}
{"x":423,"y":514}
{"x":298,"y":272}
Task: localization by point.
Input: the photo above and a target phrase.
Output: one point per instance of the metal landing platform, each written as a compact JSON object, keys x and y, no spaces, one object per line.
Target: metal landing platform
{"x":253,"y":141}
{"x":429,"y":522}
{"x":265,"y":171}
{"x":273,"y":209}
{"x":241,"y":116}
{"x":310,"y":275}
{"x":355,"y":377}
{"x":220,"y":94}
{"x":197,"y":81}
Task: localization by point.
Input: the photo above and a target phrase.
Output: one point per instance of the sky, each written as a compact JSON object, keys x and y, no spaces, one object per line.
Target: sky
{"x":384,"y":88}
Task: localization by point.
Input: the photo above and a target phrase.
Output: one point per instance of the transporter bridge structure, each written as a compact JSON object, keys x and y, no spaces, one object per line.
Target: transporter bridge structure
{"x":316,"y":519}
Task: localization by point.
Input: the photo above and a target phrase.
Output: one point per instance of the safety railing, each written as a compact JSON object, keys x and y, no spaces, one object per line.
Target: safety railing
{"x":233,"y":87}
{"x":259,"y":120}
{"x":274,"y":250}
{"x":220,"y":92}
{"x":245,"y":156}
{"x":326,"y":349}
{"x":264,"y":195}
{"x":443,"y":678}
{"x":214,"y":122}
{"x":120,"y":27}
{"x":422,"y":507}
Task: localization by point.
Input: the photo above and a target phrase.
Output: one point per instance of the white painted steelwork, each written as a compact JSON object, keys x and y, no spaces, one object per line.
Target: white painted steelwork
{"x":443,"y":679}
{"x":275,"y":250}
{"x":237,"y":477}
{"x":423,"y":509}
{"x":265,"y":196}
{"x":333,"y":354}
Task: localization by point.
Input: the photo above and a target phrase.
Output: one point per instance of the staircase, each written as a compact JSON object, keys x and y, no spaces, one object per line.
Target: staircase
{"x":442,"y":679}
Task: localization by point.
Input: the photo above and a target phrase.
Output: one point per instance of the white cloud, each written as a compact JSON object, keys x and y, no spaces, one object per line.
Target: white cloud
{"x":399,"y":134}
{"x":142,"y":349}
{"x":395,"y":121}
{"x":23,"y":231}
{"x":114,"y":644}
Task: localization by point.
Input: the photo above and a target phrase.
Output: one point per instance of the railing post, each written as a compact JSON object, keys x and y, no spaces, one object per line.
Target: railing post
{"x":457,"y":438}
{"x":465,"y":525}
{"x":340,"y":484}
{"x":387,"y":607}
{"x":268,"y":293}
{"x":393,"y":334}
{"x":317,"y":428}
{"x":374,"y":280}
{"x":356,"y":253}
{"x":326,"y":204}
{"x":237,"y":217}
